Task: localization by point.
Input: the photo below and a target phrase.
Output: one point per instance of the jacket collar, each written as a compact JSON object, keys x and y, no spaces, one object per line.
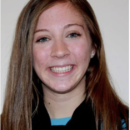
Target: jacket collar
{"x":82,"y":118}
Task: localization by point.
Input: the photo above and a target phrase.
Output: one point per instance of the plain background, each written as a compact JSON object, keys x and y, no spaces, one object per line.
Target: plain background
{"x":112,"y":16}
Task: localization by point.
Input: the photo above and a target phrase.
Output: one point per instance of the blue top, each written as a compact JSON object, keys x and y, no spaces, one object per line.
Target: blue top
{"x":64,"y":121}
{"x":123,"y":124}
{"x":60,"y":121}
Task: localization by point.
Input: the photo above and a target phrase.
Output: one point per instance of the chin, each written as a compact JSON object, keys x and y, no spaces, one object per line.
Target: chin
{"x":62,"y":89}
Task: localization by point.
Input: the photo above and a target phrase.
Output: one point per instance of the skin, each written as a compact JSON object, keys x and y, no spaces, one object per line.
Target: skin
{"x":61,"y":38}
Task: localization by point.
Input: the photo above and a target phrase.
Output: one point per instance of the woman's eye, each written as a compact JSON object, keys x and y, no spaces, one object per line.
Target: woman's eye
{"x":74,"y":35}
{"x":43,"y":39}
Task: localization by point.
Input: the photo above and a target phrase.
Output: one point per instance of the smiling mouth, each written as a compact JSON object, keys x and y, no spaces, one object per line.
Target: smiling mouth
{"x":62,"y":69}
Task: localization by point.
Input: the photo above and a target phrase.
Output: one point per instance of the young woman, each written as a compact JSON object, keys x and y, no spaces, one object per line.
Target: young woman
{"x":58,"y":77}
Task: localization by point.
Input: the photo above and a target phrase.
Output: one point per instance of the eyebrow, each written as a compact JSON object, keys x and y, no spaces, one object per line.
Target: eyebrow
{"x":66,"y":26}
{"x":41,"y":30}
{"x":75,"y":24}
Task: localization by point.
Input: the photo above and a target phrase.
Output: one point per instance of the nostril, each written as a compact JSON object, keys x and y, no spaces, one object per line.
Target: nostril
{"x":59,"y":54}
{"x":59,"y":51}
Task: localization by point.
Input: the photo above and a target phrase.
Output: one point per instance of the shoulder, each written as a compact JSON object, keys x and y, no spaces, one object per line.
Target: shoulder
{"x":123,"y":124}
{"x":124,"y":115}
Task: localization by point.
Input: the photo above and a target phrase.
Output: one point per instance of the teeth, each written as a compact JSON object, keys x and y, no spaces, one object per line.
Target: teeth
{"x":61,"y":69}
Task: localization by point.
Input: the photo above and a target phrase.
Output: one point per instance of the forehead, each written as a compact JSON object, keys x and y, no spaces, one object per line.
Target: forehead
{"x":62,"y":12}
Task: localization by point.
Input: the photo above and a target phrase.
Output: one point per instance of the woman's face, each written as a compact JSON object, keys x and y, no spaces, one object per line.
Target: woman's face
{"x":61,"y":48}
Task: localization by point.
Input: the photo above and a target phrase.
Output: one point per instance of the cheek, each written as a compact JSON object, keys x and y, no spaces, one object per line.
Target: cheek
{"x":82,"y":52}
{"x":39,"y":56}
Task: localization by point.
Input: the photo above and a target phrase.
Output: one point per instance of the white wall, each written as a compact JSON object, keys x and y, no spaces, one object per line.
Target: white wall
{"x":112,"y":16}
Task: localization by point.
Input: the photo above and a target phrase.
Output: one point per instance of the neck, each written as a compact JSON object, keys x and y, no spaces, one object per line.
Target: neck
{"x":63,"y":105}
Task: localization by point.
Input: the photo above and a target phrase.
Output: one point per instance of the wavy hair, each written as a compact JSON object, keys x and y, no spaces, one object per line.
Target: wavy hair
{"x":17,"y":111}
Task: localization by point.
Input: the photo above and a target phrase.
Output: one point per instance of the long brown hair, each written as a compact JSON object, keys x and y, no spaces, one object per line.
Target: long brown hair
{"x":17,"y":111}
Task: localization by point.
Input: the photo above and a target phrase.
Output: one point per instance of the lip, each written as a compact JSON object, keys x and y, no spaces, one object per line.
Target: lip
{"x":62,"y":65}
{"x":62,"y":73}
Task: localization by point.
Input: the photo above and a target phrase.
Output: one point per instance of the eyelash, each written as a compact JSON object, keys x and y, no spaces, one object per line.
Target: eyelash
{"x":43,"y":39}
{"x":71,"y":35}
{"x":74,"y":35}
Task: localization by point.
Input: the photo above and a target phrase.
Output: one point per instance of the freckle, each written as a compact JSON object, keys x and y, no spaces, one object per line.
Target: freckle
{"x":49,"y":103}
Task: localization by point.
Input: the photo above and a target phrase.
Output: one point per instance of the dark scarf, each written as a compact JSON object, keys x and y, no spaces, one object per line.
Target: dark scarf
{"x":82,"y":118}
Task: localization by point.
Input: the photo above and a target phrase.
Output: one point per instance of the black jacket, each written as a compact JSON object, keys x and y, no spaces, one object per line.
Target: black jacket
{"x":82,"y":118}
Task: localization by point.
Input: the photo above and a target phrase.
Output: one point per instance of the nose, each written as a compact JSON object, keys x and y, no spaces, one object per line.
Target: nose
{"x":59,"y":49}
